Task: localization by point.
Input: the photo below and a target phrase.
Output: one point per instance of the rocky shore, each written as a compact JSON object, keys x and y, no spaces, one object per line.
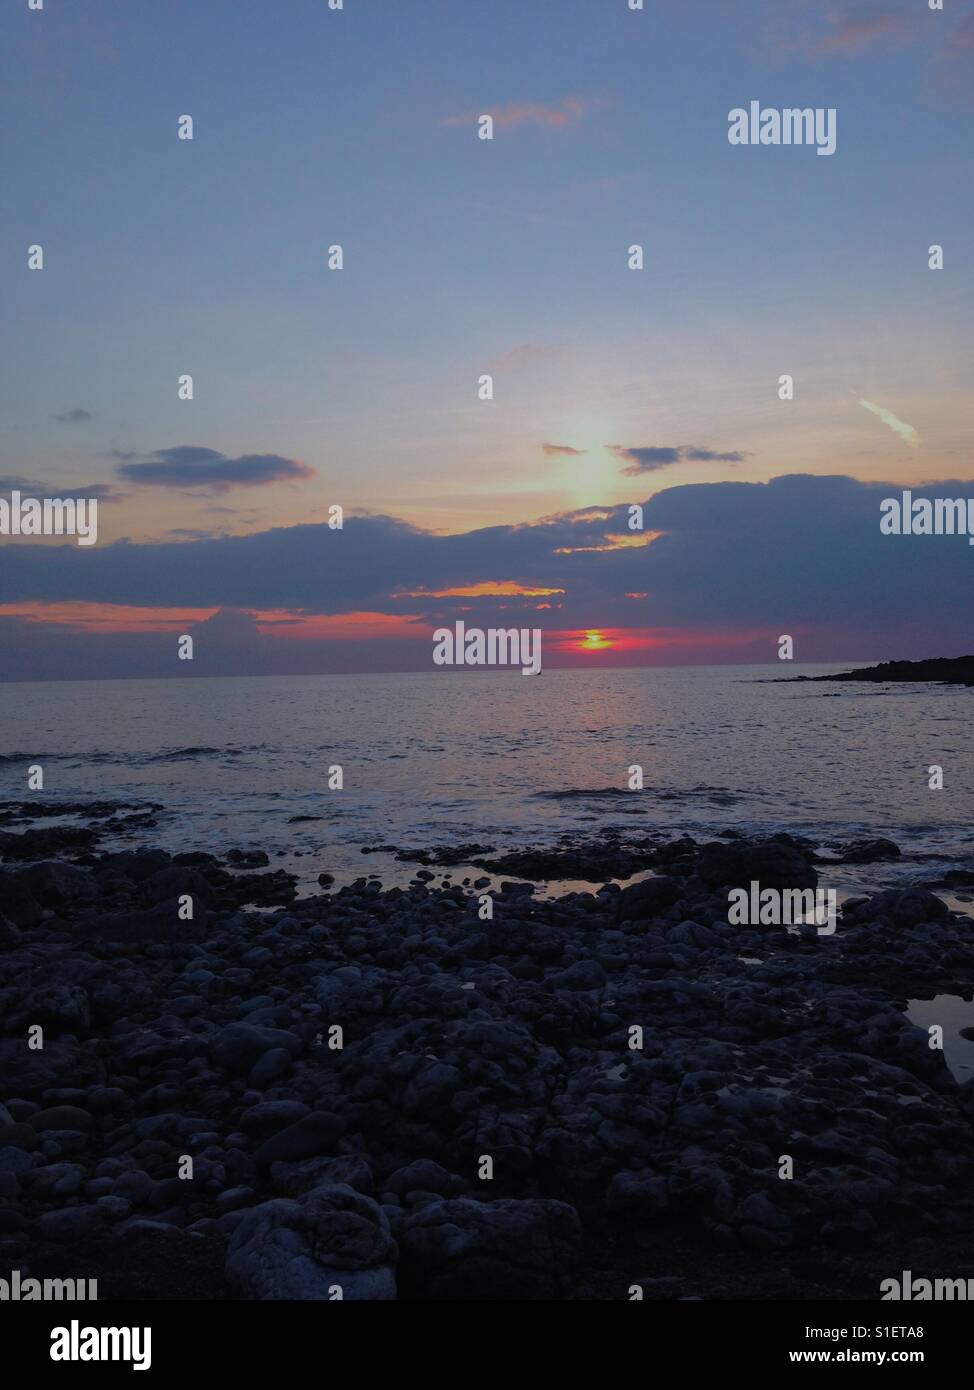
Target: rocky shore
{"x":376,"y":1090}
{"x":951,"y":670}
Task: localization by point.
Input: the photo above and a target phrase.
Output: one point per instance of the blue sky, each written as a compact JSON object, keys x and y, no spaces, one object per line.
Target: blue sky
{"x":463,"y":256}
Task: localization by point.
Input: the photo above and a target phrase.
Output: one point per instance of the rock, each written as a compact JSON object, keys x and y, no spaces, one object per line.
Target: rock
{"x":637,"y":1195}
{"x":423,"y":1175}
{"x":19,"y":1136}
{"x":10,"y":936}
{"x":584,"y":974}
{"x":759,"y":1210}
{"x":269,"y":1116}
{"x":58,"y":1008}
{"x":62,"y":1117}
{"x":13,"y":1162}
{"x":904,"y":907}
{"x":650,"y":898}
{"x":148,"y":927}
{"x":315,"y":1134}
{"x":18,"y":901}
{"x":275,"y":1063}
{"x":293,"y":1179}
{"x":505,"y":1249}
{"x":135,"y":864}
{"x":867,"y":851}
{"x":69,"y":1224}
{"x":27,"y":1071}
{"x":53,"y":883}
{"x":333,"y":1238}
{"x":171,"y":883}
{"x":234,"y":1197}
{"x":252,"y":858}
{"x":778,"y":862}
{"x":240,"y":1045}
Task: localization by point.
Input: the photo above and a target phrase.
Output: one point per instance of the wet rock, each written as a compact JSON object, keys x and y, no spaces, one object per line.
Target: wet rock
{"x":867,"y":851}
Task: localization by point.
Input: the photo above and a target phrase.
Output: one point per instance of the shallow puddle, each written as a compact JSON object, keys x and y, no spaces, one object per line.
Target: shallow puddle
{"x":952,"y":1013}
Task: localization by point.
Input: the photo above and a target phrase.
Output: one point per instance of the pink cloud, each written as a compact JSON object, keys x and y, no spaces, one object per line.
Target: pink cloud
{"x":527,"y":113}
{"x":553,"y":450}
{"x":853,"y":29}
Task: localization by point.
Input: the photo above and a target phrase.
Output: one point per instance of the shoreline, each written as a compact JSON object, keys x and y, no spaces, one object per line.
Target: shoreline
{"x":462,"y":1039}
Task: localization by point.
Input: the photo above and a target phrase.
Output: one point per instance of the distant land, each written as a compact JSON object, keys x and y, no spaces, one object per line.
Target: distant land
{"x":953,"y":670}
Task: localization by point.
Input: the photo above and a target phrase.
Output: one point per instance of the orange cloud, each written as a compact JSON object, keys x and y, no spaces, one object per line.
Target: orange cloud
{"x":124,"y":618}
{"x":627,"y":542}
{"x":485,"y":588}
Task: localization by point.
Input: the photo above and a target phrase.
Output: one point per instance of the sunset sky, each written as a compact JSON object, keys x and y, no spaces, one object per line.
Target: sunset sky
{"x":466,"y":257}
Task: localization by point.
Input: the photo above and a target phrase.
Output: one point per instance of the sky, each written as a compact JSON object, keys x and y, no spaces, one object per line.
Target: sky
{"x":463,"y":257}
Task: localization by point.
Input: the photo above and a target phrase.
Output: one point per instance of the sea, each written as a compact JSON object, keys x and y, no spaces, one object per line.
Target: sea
{"x":507,"y":761}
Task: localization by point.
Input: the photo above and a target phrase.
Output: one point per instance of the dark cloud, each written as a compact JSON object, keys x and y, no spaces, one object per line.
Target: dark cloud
{"x":74,"y":417}
{"x":800,"y":554}
{"x":650,"y":458}
{"x":30,"y":487}
{"x":553,"y":449}
{"x":192,"y":466}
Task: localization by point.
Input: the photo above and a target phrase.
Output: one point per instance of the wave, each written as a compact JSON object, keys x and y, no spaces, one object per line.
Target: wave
{"x":718,"y":796}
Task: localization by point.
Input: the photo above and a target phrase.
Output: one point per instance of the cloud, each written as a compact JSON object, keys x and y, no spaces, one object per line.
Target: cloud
{"x":725,"y":564}
{"x":522,"y":113}
{"x":74,"y":417}
{"x":851,"y":29}
{"x":862,"y":26}
{"x":651,"y":458}
{"x":192,"y":466}
{"x":552,"y":450}
{"x":906,"y":432}
{"x":30,"y":487}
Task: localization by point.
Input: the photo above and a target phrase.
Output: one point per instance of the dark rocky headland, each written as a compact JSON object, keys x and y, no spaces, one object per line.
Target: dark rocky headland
{"x":313,"y":1166}
{"x":952,"y":670}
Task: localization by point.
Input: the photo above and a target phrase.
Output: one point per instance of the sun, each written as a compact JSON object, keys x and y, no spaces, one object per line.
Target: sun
{"x":594,"y":641}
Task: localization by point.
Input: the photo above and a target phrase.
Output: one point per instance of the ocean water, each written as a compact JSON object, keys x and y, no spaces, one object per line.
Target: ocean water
{"x":504,"y":760}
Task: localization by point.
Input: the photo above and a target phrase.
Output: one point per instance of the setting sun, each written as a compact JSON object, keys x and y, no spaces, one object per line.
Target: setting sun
{"x":594,"y":642}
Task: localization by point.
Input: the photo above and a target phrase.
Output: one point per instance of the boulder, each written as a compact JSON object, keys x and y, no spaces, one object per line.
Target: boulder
{"x":778,"y":862}
{"x":332,"y":1239}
